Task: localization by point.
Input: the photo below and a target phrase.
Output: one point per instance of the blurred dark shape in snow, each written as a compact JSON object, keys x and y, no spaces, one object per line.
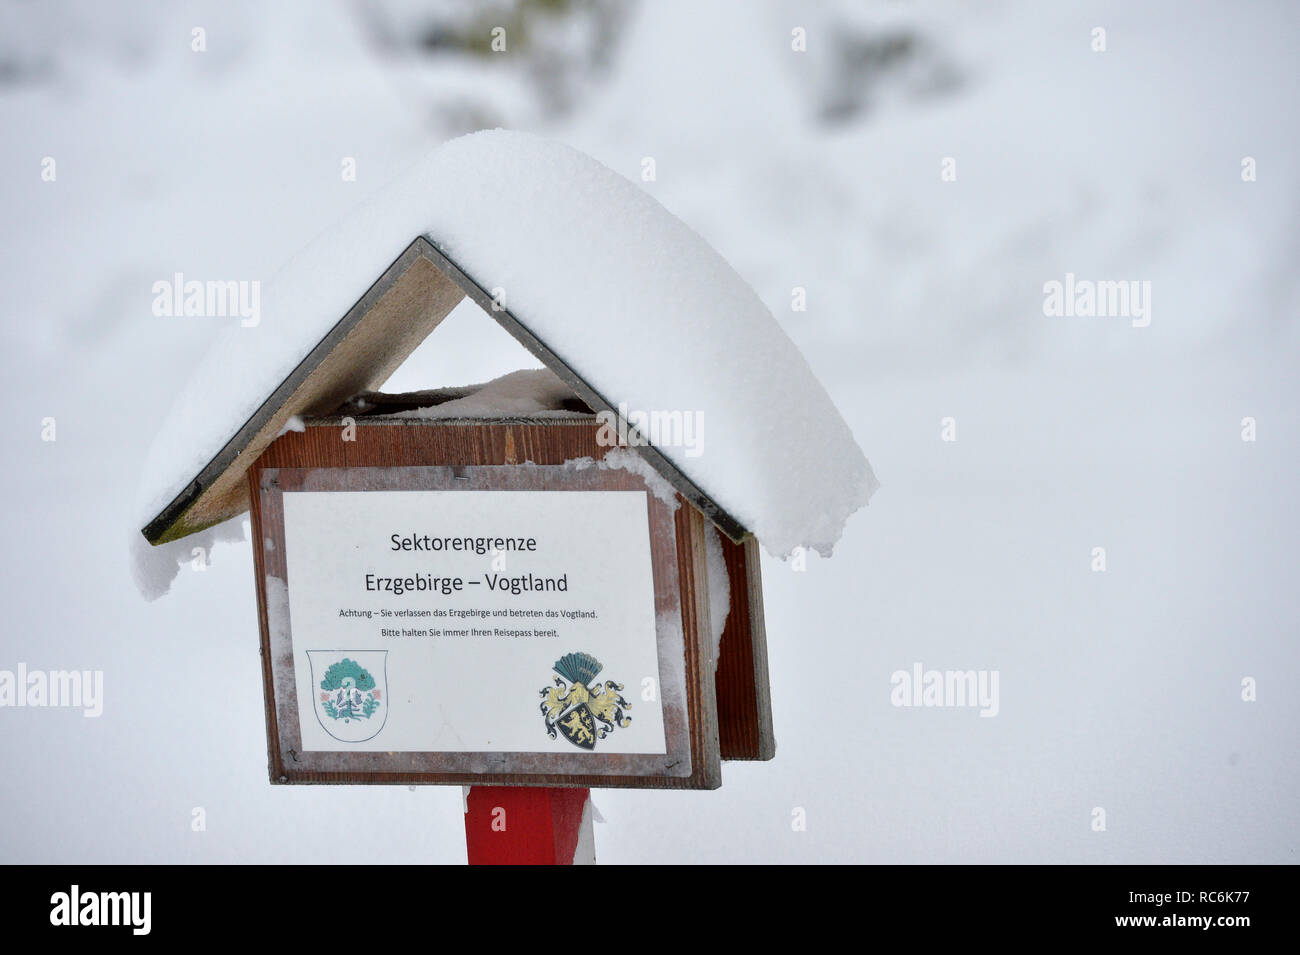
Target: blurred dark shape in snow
{"x":555,"y":51}
{"x":561,"y":51}
{"x":867,"y":68}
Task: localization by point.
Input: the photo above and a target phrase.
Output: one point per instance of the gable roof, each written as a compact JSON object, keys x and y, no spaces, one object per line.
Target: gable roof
{"x":615,"y":294}
{"x":402,"y":308}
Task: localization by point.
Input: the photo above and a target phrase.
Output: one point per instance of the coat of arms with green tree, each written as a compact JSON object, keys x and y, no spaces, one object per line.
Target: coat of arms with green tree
{"x":349,"y":692}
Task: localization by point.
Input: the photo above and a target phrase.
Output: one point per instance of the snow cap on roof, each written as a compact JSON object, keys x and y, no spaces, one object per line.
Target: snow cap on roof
{"x":630,"y":298}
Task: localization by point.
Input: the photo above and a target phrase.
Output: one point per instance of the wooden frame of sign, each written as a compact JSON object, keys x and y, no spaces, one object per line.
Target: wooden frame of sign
{"x":708,"y":714}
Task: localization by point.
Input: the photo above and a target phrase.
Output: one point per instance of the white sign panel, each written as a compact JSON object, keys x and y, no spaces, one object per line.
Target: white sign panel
{"x":465,"y":621}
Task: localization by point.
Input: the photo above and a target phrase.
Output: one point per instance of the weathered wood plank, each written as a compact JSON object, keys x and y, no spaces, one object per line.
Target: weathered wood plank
{"x":744,"y":697}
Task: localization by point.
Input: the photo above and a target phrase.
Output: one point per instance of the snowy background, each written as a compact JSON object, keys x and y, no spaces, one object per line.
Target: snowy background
{"x":817,"y":169}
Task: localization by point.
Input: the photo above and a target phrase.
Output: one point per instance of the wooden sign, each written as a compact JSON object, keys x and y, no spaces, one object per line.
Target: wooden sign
{"x":499,"y":600}
{"x":459,"y":602}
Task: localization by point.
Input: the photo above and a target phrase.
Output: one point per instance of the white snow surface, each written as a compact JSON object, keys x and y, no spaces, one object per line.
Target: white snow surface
{"x":626,"y":460}
{"x":527,"y":391}
{"x":631,"y":298}
{"x":153,"y":568}
{"x":719,"y":589}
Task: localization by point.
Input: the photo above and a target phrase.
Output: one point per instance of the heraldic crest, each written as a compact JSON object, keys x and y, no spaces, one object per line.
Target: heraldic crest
{"x":577,"y":707}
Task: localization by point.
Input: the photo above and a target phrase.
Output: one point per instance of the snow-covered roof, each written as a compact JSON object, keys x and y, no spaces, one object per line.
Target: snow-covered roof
{"x":612,"y":291}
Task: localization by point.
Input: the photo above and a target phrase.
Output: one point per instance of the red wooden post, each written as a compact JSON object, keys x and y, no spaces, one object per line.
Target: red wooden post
{"x":528,"y":825}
